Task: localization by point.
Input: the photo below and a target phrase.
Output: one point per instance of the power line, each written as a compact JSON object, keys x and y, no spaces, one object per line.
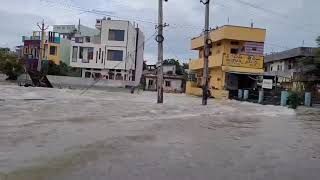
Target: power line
{"x":275,"y":13}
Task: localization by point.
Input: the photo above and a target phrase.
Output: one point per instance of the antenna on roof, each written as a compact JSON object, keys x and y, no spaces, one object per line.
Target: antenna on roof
{"x":303,"y":43}
{"x":252,"y":23}
{"x":228,"y":20}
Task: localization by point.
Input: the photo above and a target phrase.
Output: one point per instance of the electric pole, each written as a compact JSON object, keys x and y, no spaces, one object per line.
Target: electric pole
{"x":207,"y":44}
{"x":160,"y":40}
{"x":42,"y":50}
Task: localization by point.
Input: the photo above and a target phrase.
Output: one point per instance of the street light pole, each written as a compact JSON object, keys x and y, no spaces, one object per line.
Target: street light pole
{"x":42,"y":48}
{"x":207,"y":44}
{"x":160,"y":40}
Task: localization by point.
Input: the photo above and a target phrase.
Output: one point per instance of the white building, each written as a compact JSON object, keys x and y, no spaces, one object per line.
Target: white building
{"x":115,"y":54}
{"x":172,"y":83}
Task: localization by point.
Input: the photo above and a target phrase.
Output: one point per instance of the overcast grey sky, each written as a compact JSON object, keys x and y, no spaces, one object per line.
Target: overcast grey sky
{"x":288,"y":22}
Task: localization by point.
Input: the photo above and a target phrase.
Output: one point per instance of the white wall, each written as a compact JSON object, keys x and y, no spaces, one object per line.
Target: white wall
{"x":175,"y":85}
{"x":275,"y":65}
{"x":66,"y":81}
{"x":128,"y":46}
{"x":140,"y":56}
{"x":113,"y":24}
{"x":167,"y":68}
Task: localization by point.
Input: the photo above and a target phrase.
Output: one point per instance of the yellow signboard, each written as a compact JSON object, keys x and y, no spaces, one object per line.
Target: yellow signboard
{"x":240,"y":60}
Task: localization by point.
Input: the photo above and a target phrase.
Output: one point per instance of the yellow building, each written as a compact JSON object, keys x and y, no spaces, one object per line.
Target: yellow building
{"x":52,"y":52}
{"x":236,"y":60}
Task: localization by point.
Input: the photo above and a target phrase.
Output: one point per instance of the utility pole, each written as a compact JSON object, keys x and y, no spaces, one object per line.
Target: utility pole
{"x":160,"y":40}
{"x":42,"y":50}
{"x":207,"y":44}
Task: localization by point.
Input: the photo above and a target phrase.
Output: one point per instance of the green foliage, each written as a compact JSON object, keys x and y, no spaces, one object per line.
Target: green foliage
{"x":317,"y":60}
{"x":10,"y":64}
{"x":180,"y":70}
{"x":50,"y":68}
{"x":294,"y":100}
{"x":185,"y":66}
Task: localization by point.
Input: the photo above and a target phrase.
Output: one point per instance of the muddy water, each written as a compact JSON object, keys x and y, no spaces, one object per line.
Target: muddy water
{"x":116,"y":135}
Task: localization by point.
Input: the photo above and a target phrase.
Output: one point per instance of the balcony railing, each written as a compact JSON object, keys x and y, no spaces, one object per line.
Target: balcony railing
{"x":234,"y":60}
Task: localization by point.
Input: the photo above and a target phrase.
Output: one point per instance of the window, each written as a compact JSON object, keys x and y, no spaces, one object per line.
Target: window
{"x":53,"y":50}
{"x":86,"y":54}
{"x":102,"y":57}
{"x":168,"y":83}
{"x":81,"y":53}
{"x":79,"y":40}
{"x":115,"y":55}
{"x":87,"y":39}
{"x":87,"y":75}
{"x":63,"y":27}
{"x":74,"y":54}
{"x":218,"y":43}
{"x":90,"y":53}
{"x":150,"y":82}
{"x":254,"y":49}
{"x":271,"y":68}
{"x":116,"y":35}
{"x":97,"y":57}
{"x":98,"y":21}
{"x":234,"y":42}
{"x":234,"y":51}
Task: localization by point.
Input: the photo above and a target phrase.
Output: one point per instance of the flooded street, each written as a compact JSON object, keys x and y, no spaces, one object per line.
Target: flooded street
{"x":49,"y":134}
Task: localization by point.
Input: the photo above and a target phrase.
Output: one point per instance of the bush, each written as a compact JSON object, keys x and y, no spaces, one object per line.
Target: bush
{"x":10,"y":65}
{"x":294,"y":100}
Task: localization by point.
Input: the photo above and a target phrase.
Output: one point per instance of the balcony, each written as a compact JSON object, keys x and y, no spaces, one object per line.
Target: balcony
{"x":241,"y":60}
{"x":233,"y":33}
{"x":231,"y":60}
{"x":214,"y":61}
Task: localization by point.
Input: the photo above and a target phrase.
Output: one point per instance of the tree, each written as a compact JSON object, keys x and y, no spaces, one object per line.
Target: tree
{"x":50,"y":68}
{"x":185,"y":66}
{"x":317,"y":60}
{"x":180,"y":70}
{"x":10,"y":64}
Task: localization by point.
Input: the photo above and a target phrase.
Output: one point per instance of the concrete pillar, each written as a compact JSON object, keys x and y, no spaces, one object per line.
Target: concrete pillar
{"x":246,"y":95}
{"x":240,"y":94}
{"x":284,"y":98}
{"x":307,"y":99}
{"x":261,"y":97}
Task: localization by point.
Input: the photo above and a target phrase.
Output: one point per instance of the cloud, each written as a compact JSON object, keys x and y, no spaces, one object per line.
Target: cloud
{"x":288,"y":22}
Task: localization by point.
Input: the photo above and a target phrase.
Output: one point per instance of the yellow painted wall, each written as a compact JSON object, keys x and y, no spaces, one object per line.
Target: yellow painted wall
{"x":222,"y":61}
{"x":191,"y":89}
{"x":55,"y":58}
{"x":196,"y":91}
{"x":216,"y":78}
{"x":231,"y":32}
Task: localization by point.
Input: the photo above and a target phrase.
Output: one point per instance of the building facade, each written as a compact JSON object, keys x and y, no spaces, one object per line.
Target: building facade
{"x":293,"y":67}
{"x":32,"y":47}
{"x":172,"y":83}
{"x":236,"y":58}
{"x":115,"y":54}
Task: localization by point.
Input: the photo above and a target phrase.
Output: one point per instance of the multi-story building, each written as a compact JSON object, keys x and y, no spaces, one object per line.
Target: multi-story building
{"x":236,"y":59}
{"x":32,"y":47}
{"x":292,"y":67}
{"x":115,"y":54}
{"x":67,"y":32}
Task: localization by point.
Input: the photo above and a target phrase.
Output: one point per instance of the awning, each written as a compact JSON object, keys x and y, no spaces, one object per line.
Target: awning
{"x":242,"y":70}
